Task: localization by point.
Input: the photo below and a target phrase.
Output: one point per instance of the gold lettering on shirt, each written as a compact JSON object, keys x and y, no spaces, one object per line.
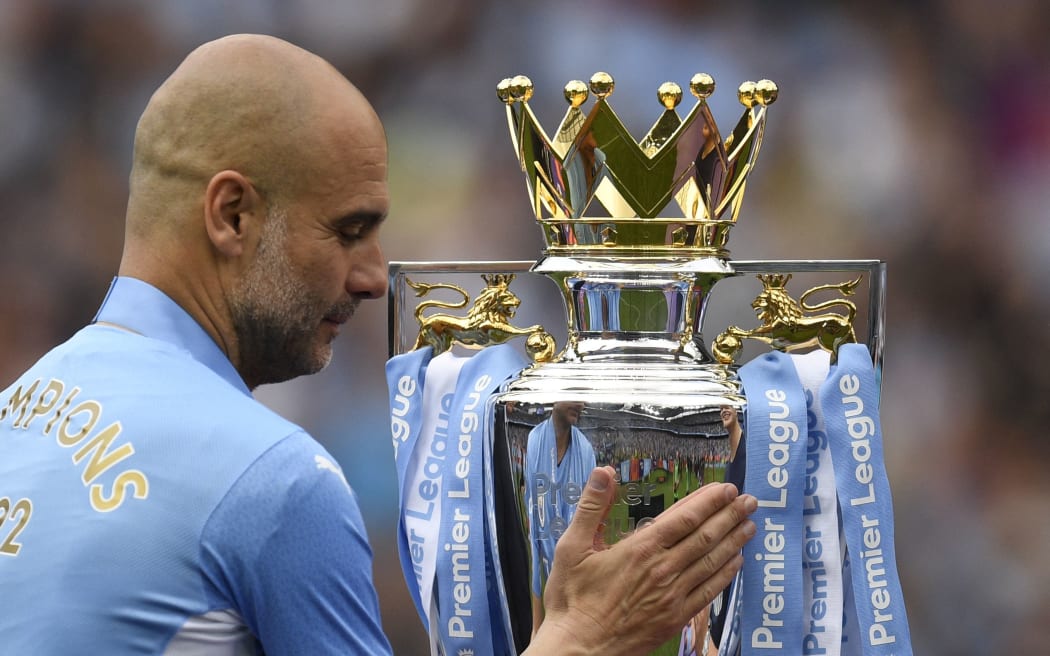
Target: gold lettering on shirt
{"x":100,"y":449}
{"x":19,"y":401}
{"x":18,"y":512}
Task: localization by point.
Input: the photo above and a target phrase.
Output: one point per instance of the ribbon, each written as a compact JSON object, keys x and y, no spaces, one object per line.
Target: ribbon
{"x":821,"y":555}
{"x":771,"y":581}
{"x":851,"y":643}
{"x":462,"y":589}
{"x":439,"y":421}
{"x":729,"y":640}
{"x":849,"y":590}
{"x":503,"y":640}
{"x":420,"y":398}
{"x":850,"y":401}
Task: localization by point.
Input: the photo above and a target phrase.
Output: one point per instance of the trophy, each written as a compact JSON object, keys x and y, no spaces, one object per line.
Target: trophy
{"x":636,"y":235}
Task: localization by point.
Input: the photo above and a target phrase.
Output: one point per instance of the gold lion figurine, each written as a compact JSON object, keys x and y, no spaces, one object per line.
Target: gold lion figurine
{"x":487,"y":322}
{"x":785,"y":324}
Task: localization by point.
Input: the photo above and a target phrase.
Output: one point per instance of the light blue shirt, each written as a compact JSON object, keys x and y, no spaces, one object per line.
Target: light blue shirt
{"x":552,"y":490}
{"x":149,"y":505}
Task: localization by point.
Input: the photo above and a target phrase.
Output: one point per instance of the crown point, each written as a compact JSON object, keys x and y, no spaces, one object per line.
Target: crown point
{"x":576,"y":92}
{"x":520,"y":88}
{"x":766,"y":92}
{"x":602,"y":84}
{"x":702,"y":85}
{"x":563,"y":184}
{"x":746,"y":94}
{"x":669,"y":94}
{"x":503,"y":91}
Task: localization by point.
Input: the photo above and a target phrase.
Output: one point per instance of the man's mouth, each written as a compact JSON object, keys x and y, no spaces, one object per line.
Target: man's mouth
{"x":341,"y":315}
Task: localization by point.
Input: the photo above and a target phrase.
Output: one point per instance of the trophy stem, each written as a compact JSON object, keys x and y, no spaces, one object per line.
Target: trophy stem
{"x":635,"y":310}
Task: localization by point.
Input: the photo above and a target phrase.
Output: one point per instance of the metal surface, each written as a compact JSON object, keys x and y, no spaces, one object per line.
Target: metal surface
{"x":486,"y":323}
{"x":593,"y":157}
{"x":634,"y":385}
{"x":786,"y":326}
{"x":403,"y":328}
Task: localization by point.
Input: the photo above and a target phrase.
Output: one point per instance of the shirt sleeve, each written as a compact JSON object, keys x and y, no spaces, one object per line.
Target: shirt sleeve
{"x":287,"y":550}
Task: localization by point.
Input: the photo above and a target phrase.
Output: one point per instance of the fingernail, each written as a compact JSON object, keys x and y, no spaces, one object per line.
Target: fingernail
{"x":597,"y":481}
{"x":750,"y":529}
{"x":750,"y":503}
{"x":730,"y":491}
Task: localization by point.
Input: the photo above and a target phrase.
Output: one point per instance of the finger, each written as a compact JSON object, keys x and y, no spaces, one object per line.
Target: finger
{"x":599,"y":541}
{"x":721,"y":527}
{"x":703,"y":567}
{"x":696,"y":492}
{"x":591,"y":510}
{"x":709,"y":546}
{"x":690,"y":513}
{"x":705,"y":592}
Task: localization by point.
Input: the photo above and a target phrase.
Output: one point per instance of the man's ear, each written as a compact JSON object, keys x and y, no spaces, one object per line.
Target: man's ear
{"x":233,"y":213}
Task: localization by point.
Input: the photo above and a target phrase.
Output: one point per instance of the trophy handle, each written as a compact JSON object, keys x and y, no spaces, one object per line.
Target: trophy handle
{"x":818,"y":328}
{"x":486,"y":322}
{"x":789,"y":324}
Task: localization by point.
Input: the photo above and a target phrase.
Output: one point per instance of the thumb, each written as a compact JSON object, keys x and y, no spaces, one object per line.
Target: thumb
{"x":594,"y":504}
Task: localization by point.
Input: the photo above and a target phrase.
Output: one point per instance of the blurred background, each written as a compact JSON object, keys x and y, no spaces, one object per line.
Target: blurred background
{"x":913,"y":132}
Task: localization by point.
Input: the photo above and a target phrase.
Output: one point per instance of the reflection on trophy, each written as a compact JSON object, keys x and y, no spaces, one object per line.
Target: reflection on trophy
{"x":559,"y":458}
{"x":636,"y":235}
{"x":735,"y":467}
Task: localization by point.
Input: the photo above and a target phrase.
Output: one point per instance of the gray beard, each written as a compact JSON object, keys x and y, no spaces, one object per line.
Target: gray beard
{"x":275,"y":316}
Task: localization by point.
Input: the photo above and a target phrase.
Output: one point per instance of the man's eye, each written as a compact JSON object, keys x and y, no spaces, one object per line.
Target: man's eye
{"x":351,"y":233}
{"x":350,"y":229}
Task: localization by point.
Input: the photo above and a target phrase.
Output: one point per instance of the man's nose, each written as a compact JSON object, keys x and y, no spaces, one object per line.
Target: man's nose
{"x":368,"y":275}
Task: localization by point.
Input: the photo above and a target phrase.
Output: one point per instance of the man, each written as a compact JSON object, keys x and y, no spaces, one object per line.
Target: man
{"x":151,"y":505}
{"x":558,"y":452}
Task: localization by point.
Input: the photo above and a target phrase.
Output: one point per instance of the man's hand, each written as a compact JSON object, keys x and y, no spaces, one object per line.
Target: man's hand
{"x":630,"y":597}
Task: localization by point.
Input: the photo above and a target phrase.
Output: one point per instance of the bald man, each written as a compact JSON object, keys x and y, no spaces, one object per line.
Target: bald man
{"x":149,"y":505}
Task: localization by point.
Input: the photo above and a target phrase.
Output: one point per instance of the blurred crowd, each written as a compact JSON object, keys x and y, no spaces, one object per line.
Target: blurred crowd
{"x":913,"y":132}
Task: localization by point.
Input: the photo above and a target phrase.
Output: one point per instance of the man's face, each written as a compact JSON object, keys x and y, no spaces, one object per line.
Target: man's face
{"x":569,"y":411}
{"x":284,"y":324}
{"x":728,"y":416}
{"x":316,"y":260}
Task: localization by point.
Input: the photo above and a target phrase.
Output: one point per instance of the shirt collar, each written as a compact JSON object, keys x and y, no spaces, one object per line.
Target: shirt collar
{"x":141,"y":307}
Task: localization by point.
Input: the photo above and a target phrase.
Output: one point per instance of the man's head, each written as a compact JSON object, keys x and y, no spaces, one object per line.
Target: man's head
{"x":728,"y":414}
{"x":257,"y":189}
{"x":567,"y":413}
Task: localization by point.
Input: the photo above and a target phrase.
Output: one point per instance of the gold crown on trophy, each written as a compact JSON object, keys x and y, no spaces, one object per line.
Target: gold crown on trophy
{"x":594,"y":157}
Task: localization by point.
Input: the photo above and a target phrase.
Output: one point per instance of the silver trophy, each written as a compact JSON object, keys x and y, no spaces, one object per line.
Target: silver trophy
{"x":636,"y":235}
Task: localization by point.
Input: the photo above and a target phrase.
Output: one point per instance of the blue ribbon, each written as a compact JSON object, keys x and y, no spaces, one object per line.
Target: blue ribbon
{"x":821,"y":552}
{"x":849,"y":398}
{"x":405,"y":376}
{"x":730,"y":642}
{"x":502,"y":633}
{"x":851,"y":643}
{"x":454,"y":547}
{"x":771,"y":580}
{"x":549,"y":512}
{"x":462,"y":587}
